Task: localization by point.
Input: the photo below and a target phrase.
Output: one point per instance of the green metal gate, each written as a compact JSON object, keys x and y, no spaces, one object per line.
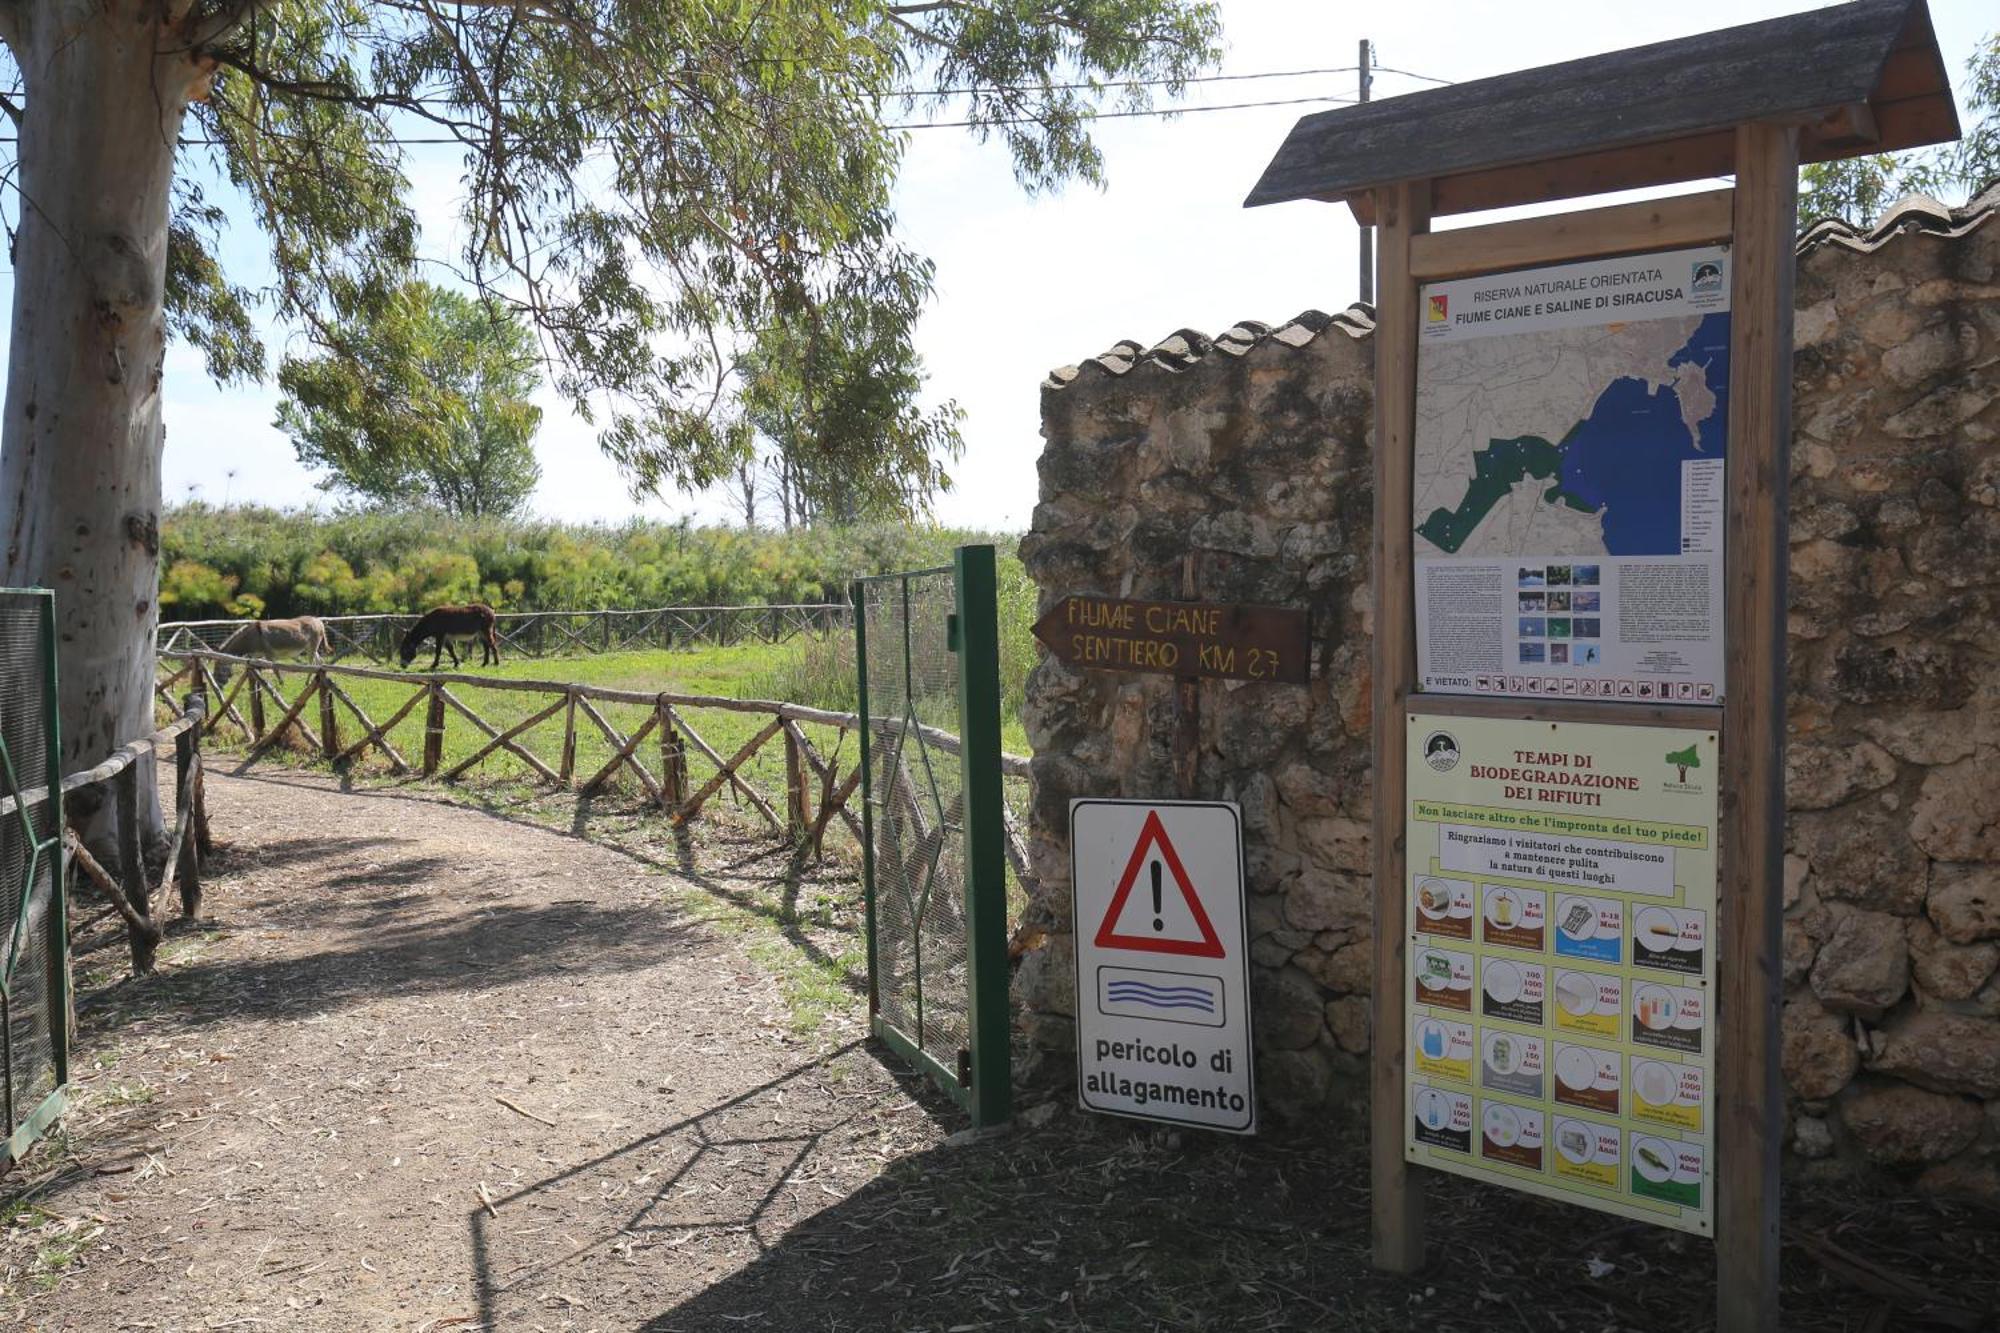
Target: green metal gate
{"x":927,"y":650}
{"x":34,"y":958}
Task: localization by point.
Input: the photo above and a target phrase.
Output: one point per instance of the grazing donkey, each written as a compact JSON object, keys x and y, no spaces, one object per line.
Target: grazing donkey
{"x":268,"y":640}
{"x":442,"y":623}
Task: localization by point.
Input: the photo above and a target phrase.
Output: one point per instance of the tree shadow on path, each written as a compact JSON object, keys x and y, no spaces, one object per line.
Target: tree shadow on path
{"x":1091,"y":1223}
{"x":769,"y":864}
{"x":740,"y":1172}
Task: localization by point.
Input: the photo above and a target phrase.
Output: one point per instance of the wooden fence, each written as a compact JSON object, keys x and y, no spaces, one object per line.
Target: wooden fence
{"x":556,"y":633}
{"x":130,"y":894}
{"x":664,"y":754}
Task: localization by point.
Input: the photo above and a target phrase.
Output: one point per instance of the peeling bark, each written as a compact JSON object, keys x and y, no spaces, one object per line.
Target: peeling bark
{"x":81,"y":438}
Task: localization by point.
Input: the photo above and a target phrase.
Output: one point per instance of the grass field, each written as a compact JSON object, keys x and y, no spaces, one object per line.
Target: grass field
{"x":800,"y":671}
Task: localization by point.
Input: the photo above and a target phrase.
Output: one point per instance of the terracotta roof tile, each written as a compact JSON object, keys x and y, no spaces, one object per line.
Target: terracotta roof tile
{"x":1918,"y":213}
{"x":1186,"y":348}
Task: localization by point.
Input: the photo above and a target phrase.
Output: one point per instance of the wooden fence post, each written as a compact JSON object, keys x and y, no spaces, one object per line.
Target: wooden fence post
{"x":204,"y":841}
{"x":434,"y":731}
{"x":567,"y":768}
{"x":187,"y":872}
{"x":256,"y":704}
{"x":132,"y":864}
{"x":798,"y":817}
{"x":673,"y":760}
{"x":329,"y":735}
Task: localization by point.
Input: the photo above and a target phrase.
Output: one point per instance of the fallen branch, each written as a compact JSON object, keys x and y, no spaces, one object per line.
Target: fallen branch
{"x":1905,"y":1293}
{"x":520,"y":1110}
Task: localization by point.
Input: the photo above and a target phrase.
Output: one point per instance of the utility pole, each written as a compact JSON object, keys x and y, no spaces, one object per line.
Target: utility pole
{"x":1367,"y":233}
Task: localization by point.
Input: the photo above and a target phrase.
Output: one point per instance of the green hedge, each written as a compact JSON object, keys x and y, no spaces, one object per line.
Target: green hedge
{"x":247,"y":560}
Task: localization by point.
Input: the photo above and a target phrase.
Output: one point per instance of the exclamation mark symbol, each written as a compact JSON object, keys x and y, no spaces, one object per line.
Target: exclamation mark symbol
{"x":1158,"y":924}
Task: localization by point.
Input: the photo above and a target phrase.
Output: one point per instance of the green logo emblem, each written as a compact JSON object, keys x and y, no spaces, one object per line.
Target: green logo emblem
{"x":1684,"y":760}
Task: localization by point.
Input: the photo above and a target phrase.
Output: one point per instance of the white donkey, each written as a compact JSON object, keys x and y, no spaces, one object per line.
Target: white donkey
{"x":268,"y":640}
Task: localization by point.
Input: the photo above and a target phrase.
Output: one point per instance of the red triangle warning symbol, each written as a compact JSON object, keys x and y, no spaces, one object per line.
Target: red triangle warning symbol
{"x":1154,"y":834}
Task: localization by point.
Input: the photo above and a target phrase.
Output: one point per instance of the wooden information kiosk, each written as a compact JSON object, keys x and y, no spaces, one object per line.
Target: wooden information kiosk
{"x":1582,"y":428}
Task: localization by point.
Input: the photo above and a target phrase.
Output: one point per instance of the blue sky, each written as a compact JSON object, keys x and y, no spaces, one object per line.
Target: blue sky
{"x":1024,"y":285}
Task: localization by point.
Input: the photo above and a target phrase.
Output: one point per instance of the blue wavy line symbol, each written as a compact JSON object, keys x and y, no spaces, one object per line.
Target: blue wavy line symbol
{"x":1160,"y":997}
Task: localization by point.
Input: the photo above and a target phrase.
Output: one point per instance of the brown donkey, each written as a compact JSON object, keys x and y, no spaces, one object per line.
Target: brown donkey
{"x":442,"y":624}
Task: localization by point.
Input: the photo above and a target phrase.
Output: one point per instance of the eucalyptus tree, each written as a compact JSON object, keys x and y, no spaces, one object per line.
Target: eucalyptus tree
{"x":644,"y":179}
{"x":834,"y":401}
{"x":424,"y":402}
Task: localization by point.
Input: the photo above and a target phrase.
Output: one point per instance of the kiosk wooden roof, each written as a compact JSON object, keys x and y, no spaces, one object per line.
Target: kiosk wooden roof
{"x":1863,"y":77}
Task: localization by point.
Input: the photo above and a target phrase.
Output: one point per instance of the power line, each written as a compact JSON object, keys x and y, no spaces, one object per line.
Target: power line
{"x":1151,"y":113}
{"x":1114,"y":115}
{"x":1408,"y":74}
{"x":1120,"y":83}
{"x":428,"y":140}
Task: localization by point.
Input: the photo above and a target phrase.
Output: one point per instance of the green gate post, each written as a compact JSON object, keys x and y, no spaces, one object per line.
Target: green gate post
{"x":976,"y":639}
{"x":57,"y":981}
{"x":43,"y":854}
{"x":860,"y":594}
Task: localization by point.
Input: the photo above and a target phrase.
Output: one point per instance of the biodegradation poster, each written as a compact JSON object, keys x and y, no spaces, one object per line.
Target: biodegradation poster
{"x":1568,"y":496}
{"x":1562,"y":961}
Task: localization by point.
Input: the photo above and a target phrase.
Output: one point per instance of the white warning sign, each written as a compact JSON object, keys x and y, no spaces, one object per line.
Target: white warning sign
{"x":1162,"y":965}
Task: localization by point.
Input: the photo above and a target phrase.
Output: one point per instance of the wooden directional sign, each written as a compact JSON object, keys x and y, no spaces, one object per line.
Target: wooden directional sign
{"x":1221,"y":641}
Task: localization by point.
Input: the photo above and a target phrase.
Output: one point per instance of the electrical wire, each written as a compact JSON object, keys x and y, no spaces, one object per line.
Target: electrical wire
{"x":1150,"y":113}
{"x":1125,"y":83}
{"x":1410,"y":74}
{"x":1115,"y":115}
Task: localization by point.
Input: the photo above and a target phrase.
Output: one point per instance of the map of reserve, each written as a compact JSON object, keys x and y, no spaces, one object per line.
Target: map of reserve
{"x":1568,"y":442}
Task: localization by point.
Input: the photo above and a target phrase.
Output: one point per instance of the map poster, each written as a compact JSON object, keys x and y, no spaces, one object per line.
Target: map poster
{"x":1562,"y":961}
{"x":1571,"y":428}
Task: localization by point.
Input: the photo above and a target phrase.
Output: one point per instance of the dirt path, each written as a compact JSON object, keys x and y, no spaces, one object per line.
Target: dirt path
{"x":290,"y":1128}
{"x":293,"y":1124}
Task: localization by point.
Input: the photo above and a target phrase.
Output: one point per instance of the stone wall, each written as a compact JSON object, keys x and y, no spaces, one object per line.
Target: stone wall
{"x":1251,"y":453}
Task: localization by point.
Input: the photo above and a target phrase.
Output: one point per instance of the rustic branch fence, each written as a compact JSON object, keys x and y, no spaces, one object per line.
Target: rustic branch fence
{"x":557,"y":633}
{"x":663,"y":753}
{"x":125,"y":883}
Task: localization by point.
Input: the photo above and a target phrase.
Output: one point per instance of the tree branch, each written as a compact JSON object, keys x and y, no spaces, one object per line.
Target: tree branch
{"x":203,"y":30}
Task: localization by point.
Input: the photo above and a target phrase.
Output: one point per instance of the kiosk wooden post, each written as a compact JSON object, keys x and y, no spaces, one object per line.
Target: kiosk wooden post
{"x":1402,"y":212}
{"x":1749,"y":1093}
{"x":1753,"y":101}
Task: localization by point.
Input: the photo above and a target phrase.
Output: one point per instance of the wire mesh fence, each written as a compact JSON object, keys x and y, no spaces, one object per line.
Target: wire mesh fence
{"x":34,"y":1006}
{"x":937,"y":833}
{"x":918,"y":810}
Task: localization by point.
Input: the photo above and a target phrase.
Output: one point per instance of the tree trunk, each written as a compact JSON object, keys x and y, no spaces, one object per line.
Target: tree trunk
{"x":82,"y":435}
{"x":746,"y":481}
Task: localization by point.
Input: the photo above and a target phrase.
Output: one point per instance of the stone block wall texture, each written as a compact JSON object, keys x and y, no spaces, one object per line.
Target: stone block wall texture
{"x":1249,"y":455}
